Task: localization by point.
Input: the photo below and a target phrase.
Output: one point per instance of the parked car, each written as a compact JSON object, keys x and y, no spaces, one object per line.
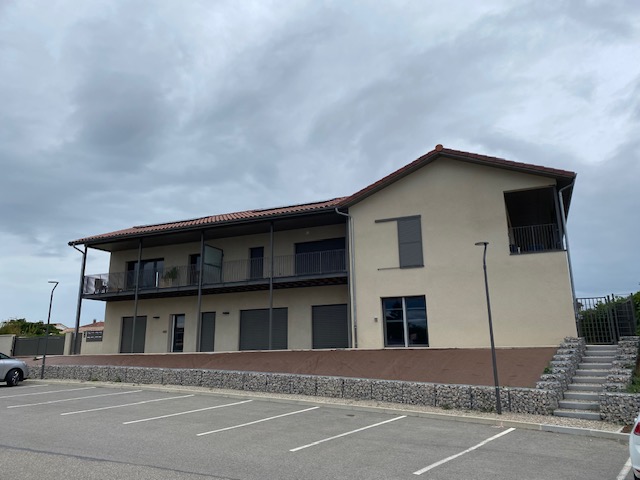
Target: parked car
{"x":12,"y":371}
{"x":634,"y":448}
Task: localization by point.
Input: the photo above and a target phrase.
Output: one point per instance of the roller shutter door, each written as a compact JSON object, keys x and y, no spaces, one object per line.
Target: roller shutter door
{"x":254,"y":329}
{"x":330,"y":326}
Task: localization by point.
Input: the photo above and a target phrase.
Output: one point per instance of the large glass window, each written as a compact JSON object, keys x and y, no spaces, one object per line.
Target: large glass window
{"x":150,"y":272}
{"x":405,"y":321}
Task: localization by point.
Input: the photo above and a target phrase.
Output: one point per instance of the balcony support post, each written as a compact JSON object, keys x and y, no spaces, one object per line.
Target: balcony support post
{"x":75,"y":348}
{"x":271,"y":286}
{"x":200,"y":274}
{"x":135,"y":298}
{"x":566,"y":246}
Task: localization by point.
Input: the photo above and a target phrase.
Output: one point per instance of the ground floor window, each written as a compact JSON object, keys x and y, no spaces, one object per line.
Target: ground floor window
{"x":177,"y":337}
{"x":405,"y":321}
{"x":330,"y":326}
{"x":254,"y":329}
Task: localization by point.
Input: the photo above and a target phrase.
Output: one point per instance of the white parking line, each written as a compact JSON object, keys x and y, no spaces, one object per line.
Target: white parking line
{"x":34,"y":386}
{"x":185,"y":413}
{"x":72,"y":399}
{"x":125,"y":404}
{"x":44,"y":393}
{"x":257,"y":421}
{"x":452,"y":457}
{"x":345,"y":434}
{"x":626,"y":469}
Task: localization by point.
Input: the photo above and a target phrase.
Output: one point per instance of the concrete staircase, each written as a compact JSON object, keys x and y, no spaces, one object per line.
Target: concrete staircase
{"x":581,"y":400}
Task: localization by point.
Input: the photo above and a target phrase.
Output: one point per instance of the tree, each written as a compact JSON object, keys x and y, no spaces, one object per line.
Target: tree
{"x":20,"y":326}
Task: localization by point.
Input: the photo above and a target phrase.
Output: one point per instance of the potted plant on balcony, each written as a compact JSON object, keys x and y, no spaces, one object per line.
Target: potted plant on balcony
{"x":170,"y":276}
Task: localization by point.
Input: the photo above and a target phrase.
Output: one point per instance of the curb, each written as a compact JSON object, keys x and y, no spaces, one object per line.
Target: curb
{"x":334,"y":403}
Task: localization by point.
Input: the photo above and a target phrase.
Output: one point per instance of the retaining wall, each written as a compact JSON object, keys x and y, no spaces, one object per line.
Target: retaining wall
{"x":616,"y":405}
{"x":469,"y":397}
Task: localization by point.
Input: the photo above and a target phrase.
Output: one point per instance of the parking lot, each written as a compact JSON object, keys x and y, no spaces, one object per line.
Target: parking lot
{"x":94,"y":431}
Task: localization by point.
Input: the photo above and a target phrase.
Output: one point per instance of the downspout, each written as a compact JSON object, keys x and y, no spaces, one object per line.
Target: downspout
{"x":200,"y":275}
{"x":271,"y":287}
{"x":135,"y":298}
{"x":566,"y":244}
{"x":352,"y":279}
{"x":76,"y":334}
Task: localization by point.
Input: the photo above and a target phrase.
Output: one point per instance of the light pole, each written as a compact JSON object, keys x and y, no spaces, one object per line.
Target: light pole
{"x":46,"y":338}
{"x":493,"y":346}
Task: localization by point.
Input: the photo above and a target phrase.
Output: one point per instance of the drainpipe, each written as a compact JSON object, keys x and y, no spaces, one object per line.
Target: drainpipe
{"x":566,"y":243}
{"x":135,"y":298}
{"x":76,"y":335}
{"x":352,"y":278}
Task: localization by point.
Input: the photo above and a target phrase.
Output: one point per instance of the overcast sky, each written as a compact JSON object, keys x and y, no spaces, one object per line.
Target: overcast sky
{"x":120,"y":113}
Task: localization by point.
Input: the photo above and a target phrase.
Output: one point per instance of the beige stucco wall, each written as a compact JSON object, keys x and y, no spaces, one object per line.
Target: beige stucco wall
{"x":459,"y":204}
{"x":227,"y":330}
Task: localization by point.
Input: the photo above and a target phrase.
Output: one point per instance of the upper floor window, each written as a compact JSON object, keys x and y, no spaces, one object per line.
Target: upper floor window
{"x":149,"y":273}
{"x":409,"y":240}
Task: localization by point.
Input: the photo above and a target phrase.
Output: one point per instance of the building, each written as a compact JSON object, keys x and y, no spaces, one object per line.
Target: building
{"x":393,"y":265}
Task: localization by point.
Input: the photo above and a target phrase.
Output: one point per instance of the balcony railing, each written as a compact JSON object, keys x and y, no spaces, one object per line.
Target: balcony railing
{"x":249,"y":270}
{"x":535,"y":238}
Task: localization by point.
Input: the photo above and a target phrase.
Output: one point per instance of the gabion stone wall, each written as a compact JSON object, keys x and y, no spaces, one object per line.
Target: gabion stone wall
{"x":468,"y":397}
{"x":615,"y":405}
{"x":563,"y":366}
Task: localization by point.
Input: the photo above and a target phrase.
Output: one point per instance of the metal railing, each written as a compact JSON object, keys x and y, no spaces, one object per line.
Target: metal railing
{"x":246,"y":270}
{"x":535,"y":238}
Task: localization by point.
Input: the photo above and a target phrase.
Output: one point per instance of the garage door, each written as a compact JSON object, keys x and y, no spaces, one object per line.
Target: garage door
{"x":330,"y":326}
{"x":254,"y":329}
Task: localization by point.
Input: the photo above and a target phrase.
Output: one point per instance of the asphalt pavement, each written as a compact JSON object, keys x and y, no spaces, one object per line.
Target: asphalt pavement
{"x":86,"y":431}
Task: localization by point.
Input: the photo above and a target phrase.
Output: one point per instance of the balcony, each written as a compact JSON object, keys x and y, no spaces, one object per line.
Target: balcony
{"x":305,"y":269}
{"x":535,"y":238}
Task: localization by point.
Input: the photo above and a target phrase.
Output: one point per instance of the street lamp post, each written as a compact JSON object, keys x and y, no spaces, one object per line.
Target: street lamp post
{"x":46,"y":338}
{"x":493,"y":346}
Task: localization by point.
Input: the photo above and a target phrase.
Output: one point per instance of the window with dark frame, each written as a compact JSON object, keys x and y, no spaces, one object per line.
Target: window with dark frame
{"x":409,"y":240}
{"x":405,"y":321}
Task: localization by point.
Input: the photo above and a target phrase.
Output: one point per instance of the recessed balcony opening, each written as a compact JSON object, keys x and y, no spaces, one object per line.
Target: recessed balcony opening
{"x":534,"y":221}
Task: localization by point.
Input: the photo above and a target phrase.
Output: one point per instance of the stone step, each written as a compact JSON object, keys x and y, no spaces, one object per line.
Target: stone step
{"x":583,"y":414}
{"x":578,"y":405}
{"x":594,"y":366}
{"x":600,"y":349}
{"x":598,"y":359}
{"x":591,"y":373}
{"x":586,"y":395}
{"x":585,"y":387}
{"x":583,"y":379}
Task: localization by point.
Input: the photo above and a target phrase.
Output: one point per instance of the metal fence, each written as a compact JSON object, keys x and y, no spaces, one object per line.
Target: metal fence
{"x":535,"y":238}
{"x":603,"y":320}
{"x":27,"y":346}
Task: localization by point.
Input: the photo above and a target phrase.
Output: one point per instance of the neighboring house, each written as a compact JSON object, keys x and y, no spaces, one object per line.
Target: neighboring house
{"x":393,"y":265}
{"x":91,"y":335}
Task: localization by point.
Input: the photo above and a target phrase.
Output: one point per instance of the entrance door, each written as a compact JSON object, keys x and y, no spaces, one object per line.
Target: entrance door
{"x":207,"y":331}
{"x":132,"y":340}
{"x":256,"y":263}
{"x":177,"y":337}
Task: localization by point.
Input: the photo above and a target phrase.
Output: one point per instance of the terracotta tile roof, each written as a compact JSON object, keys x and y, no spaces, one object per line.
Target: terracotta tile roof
{"x":439,"y":152}
{"x":84,"y":328}
{"x":224,"y":218}
{"x":563,"y":177}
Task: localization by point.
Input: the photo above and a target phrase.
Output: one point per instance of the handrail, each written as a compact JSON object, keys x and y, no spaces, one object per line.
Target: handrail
{"x":245,"y":270}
